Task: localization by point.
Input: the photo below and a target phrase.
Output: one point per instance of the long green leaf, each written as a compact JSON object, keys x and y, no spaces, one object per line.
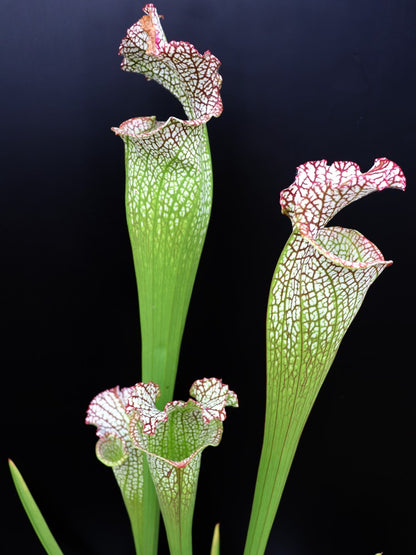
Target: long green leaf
{"x":320,"y":281}
{"x":33,"y":512}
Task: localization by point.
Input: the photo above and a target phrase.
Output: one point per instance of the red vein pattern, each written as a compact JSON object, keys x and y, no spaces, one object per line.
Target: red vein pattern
{"x":107,"y":411}
{"x":173,"y":440}
{"x":131,"y":414}
{"x":213,"y":396}
{"x":321,"y":191}
{"x":323,"y":274}
{"x":193,"y":78}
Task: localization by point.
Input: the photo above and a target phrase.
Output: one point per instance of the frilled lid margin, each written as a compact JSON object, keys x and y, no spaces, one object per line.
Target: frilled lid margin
{"x":190,"y":76}
{"x":182,"y":430}
{"x":321,"y":191}
{"x":124,"y":416}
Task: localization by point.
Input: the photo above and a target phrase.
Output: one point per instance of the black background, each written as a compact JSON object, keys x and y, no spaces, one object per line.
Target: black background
{"x":303,"y":80}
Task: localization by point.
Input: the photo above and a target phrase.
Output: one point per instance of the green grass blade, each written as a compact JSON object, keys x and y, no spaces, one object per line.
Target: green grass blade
{"x":215,"y":547}
{"x":33,"y":512}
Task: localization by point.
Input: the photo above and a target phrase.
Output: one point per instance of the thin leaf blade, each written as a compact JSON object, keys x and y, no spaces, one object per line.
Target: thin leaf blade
{"x":32,"y":510}
{"x":215,"y":547}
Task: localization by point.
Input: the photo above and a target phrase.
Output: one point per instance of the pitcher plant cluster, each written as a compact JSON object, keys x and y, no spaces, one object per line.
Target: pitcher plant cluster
{"x":152,"y":443}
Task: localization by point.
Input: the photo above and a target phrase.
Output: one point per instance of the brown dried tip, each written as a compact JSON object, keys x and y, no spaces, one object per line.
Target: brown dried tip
{"x":148,"y":27}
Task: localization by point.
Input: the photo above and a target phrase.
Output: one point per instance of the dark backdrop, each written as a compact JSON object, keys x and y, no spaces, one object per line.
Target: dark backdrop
{"x":303,"y":80}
